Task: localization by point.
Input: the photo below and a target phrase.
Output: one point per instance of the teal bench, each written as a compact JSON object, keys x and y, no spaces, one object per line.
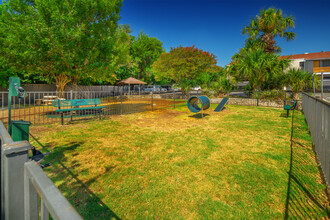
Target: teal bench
{"x":65,"y":106}
{"x":290,"y":107}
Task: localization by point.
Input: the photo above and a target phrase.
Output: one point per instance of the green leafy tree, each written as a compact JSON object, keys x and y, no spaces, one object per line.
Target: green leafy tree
{"x":64,"y":40}
{"x":7,"y":71}
{"x":145,"y":51}
{"x":269,"y":24}
{"x":185,"y":66}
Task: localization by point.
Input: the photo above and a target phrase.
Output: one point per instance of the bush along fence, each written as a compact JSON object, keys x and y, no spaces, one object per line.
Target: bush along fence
{"x":25,"y":188}
{"x":317,"y":113}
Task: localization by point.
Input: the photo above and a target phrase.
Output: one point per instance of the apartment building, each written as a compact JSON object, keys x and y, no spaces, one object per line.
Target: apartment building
{"x":314,"y":63}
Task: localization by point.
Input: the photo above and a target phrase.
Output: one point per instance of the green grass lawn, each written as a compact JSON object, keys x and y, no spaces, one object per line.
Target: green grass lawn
{"x":172,"y":164}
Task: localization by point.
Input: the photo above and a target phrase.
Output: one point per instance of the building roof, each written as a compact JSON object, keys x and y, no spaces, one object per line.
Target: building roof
{"x":131,"y":81}
{"x":309,"y":56}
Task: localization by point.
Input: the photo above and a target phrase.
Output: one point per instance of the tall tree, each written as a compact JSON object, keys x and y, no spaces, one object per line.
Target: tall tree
{"x":250,"y":45}
{"x":185,"y":66}
{"x":64,"y":40}
{"x":145,"y":51}
{"x":269,"y":24}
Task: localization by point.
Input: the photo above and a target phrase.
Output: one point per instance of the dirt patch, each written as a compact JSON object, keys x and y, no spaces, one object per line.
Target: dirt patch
{"x":169,"y":120}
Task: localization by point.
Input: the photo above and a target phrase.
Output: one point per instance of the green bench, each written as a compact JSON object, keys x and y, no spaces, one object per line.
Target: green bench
{"x":72,"y":105}
{"x":290,"y":107}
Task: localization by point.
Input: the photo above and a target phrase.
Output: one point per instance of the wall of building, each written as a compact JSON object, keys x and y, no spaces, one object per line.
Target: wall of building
{"x":295,"y":63}
{"x":309,"y":66}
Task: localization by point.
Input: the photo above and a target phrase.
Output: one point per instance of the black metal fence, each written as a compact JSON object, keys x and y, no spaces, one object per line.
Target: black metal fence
{"x":37,"y":107}
{"x":317,"y":113}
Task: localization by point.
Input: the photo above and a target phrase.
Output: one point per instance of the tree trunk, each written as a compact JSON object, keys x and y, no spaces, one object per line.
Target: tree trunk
{"x":75,"y":85}
{"x":268,"y":38}
{"x":185,"y":93}
{"x":295,"y":95}
{"x":61,"y":81}
{"x":140,"y":73}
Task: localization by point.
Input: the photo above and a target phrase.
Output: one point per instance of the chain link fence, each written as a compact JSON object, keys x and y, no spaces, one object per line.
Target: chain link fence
{"x":317,"y":113}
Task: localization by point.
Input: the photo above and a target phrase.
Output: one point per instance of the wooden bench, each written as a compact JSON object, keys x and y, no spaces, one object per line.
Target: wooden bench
{"x":290,"y":107}
{"x":75,"y":105}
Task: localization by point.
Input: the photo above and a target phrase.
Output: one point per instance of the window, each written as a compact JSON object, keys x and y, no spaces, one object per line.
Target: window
{"x":302,"y":65}
{"x":325,"y":63}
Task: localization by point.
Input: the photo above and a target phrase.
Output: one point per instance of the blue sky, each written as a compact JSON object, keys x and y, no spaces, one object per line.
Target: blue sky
{"x":215,"y":25}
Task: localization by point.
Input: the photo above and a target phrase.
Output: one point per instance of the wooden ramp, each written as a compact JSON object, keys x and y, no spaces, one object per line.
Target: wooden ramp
{"x":221,"y":105}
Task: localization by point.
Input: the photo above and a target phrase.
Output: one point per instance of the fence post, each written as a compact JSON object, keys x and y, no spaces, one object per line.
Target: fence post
{"x":322,"y":85}
{"x":152,"y":101}
{"x":314,"y":83}
{"x":71,"y":94}
{"x":174,"y":99}
{"x":258,"y":97}
{"x":13,"y":157}
{"x":121,"y":101}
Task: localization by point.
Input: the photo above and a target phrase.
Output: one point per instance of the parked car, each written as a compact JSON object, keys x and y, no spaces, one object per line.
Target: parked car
{"x":197,"y":88}
{"x":176,"y":87}
{"x":152,"y":88}
{"x":167,"y":88}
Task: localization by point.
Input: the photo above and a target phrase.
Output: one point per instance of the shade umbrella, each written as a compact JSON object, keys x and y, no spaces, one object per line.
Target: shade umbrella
{"x":131,"y":81}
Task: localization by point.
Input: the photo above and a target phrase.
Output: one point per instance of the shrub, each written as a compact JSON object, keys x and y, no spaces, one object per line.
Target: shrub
{"x":271,"y":95}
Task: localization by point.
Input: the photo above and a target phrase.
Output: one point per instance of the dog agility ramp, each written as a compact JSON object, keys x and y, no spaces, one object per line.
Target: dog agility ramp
{"x":221,"y":105}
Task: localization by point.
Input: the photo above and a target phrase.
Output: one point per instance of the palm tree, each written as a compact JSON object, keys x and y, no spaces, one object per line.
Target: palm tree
{"x":270,"y":24}
{"x":221,"y":85}
{"x":298,"y":79}
{"x":258,"y":67}
{"x":250,"y":45}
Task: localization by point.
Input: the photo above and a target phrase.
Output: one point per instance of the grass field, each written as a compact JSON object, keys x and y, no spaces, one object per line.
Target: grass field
{"x":239,"y":163}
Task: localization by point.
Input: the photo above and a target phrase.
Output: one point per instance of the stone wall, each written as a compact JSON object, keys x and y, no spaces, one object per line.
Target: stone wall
{"x":253,"y":102}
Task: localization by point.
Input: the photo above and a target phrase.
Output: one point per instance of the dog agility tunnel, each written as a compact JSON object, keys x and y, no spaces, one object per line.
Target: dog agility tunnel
{"x":197,"y":103}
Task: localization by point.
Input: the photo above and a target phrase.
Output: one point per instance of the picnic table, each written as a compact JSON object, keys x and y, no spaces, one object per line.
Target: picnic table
{"x":47,"y":100}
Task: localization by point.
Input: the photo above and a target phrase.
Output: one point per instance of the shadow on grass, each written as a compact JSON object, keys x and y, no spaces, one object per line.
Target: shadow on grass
{"x":126,"y":108}
{"x":88,"y":205}
{"x":284,"y":115}
{"x":306,"y":197}
{"x":199,"y":115}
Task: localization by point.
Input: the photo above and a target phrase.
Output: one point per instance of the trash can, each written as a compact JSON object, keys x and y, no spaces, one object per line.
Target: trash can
{"x":20,"y":130}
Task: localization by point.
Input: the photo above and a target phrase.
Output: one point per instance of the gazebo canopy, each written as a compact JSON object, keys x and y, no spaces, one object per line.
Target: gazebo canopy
{"x":131,"y":81}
